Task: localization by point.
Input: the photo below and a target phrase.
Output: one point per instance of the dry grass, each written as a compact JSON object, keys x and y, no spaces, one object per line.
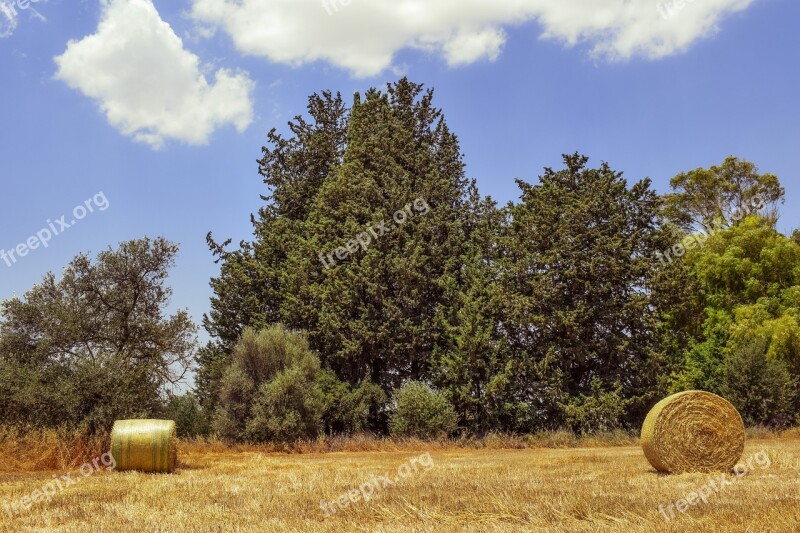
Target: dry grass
{"x":29,"y":450}
{"x":468,"y":489}
{"x":370,"y":443}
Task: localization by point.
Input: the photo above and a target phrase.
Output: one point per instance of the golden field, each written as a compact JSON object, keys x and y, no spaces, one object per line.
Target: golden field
{"x":452,"y":489}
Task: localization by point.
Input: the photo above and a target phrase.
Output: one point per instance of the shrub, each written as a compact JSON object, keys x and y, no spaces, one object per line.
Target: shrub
{"x":88,"y":395}
{"x":276,"y":390}
{"x":289,"y":407}
{"x":601,"y":411}
{"x":760,"y":387}
{"x":421,"y":412}
{"x":273,"y":388}
{"x":190,"y":419}
{"x":233,"y":405}
{"x":354,"y":410}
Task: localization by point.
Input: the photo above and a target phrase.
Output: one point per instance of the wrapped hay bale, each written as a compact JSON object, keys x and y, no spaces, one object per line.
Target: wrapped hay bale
{"x":145,"y":445}
{"x":693,"y":431}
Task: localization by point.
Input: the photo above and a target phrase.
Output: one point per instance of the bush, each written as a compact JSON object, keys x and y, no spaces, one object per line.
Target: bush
{"x":233,"y":405}
{"x":275,"y":390}
{"x":88,"y":395}
{"x":190,"y":419}
{"x":760,"y":387}
{"x":289,"y":407}
{"x":421,"y":412}
{"x":602,"y":411}
{"x":354,"y":410}
{"x":272,"y":389}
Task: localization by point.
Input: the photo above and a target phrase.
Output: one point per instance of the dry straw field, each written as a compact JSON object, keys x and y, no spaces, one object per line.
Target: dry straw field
{"x":441,"y":487}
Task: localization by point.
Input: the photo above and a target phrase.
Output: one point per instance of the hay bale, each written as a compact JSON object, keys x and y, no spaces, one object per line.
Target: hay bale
{"x":145,"y":445}
{"x":693,"y":431}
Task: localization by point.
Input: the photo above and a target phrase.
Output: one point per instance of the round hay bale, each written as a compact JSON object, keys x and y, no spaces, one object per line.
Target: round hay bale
{"x":693,"y":431}
{"x":144,"y":445}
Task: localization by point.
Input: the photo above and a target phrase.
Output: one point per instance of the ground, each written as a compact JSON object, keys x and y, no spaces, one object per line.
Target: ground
{"x":590,"y":489}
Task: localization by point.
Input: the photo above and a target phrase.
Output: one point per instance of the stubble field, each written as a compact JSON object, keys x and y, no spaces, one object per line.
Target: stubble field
{"x":587,"y":489}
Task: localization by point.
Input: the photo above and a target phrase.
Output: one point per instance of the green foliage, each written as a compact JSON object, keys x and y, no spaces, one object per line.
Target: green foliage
{"x":254,"y":288}
{"x":374,"y":316}
{"x":422,"y":412}
{"x":289,"y":406}
{"x":470,"y":352}
{"x":270,"y":389}
{"x":601,"y":411}
{"x":749,"y":349}
{"x":526,"y":395}
{"x":35,"y":395}
{"x":341,"y":173}
{"x":190,"y":418}
{"x":94,"y":346}
{"x":560,"y":309}
{"x":725,"y":192}
{"x":578,"y":273}
{"x":212,"y":360}
{"x":702,"y":368}
{"x":760,"y":387}
{"x":745,"y":263}
{"x":780,"y":328}
{"x":274,"y":389}
{"x":354,"y":410}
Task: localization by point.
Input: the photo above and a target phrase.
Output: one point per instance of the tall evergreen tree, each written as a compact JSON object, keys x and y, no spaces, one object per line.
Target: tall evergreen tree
{"x":385,"y":179}
{"x":471,"y":351}
{"x":402,"y":178}
{"x":250,"y":290}
{"x":578,"y":273}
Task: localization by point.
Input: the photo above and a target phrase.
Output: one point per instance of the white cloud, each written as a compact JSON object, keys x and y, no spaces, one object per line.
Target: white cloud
{"x":363,"y":35}
{"x":469,"y":46}
{"x":147,"y":84}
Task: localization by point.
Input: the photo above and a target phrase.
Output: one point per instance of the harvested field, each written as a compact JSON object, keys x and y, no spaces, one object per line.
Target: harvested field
{"x":586,"y":489}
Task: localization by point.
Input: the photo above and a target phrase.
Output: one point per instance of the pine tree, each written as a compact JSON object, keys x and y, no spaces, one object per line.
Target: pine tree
{"x":384,"y":178}
{"x":577,"y":271}
{"x":471,"y":351}
{"x":403,"y":179}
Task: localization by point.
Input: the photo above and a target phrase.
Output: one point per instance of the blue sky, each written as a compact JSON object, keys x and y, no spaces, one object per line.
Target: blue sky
{"x":164,"y":106}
